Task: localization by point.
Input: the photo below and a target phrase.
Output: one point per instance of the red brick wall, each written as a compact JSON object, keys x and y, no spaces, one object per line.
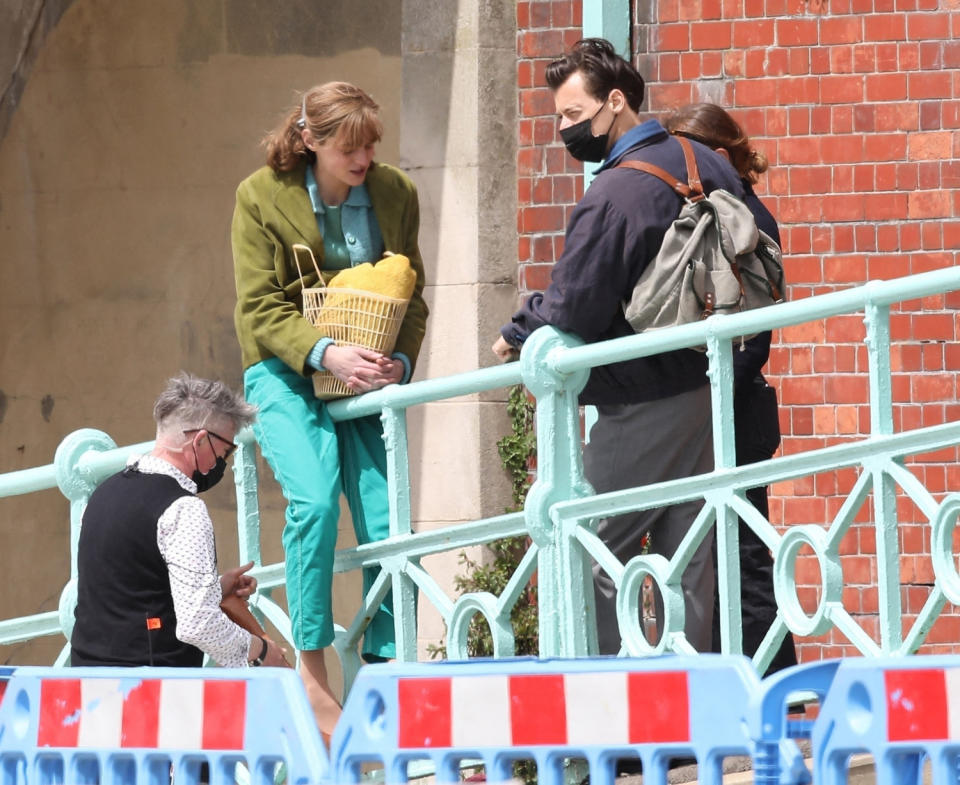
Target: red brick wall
{"x":855,"y":103}
{"x":549,"y":182}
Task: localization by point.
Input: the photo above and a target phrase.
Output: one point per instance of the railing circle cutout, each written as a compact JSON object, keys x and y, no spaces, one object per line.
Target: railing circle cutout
{"x":466,"y":606}
{"x":941,"y":548}
{"x":785,"y":581}
{"x":630,"y":604}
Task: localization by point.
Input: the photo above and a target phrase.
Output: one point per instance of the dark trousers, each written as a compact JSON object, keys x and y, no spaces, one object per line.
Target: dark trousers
{"x":645,"y":443}
{"x":757,"y":428}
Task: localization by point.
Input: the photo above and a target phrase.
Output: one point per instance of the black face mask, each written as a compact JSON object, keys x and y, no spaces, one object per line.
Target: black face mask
{"x":582,"y":144}
{"x":206,"y":481}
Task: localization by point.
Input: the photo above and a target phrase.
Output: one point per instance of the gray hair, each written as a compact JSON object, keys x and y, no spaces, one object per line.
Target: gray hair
{"x":191,"y":402}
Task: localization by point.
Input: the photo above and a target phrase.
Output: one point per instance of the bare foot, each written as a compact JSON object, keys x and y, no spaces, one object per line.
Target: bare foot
{"x":326,"y":708}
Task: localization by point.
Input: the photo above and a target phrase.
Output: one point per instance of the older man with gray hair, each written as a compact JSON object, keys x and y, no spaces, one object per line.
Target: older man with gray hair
{"x":148,"y":592}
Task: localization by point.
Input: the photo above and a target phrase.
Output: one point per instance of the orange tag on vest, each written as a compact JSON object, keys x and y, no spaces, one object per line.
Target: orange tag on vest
{"x":154,"y":623}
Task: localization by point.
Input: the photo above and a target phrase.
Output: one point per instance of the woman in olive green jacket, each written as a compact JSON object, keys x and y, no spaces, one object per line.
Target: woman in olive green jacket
{"x":322,"y":188}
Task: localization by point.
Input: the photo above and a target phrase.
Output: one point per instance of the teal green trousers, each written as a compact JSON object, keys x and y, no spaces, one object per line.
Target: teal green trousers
{"x":314,"y":460}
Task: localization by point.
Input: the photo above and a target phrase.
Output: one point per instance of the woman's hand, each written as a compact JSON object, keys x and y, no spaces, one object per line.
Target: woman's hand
{"x":361,"y":369}
{"x":391,"y":371}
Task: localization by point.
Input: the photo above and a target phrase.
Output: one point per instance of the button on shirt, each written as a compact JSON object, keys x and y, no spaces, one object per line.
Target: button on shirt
{"x":185,"y":540}
{"x":335,"y":253}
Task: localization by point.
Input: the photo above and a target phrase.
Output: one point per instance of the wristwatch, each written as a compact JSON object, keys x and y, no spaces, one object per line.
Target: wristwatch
{"x":263,"y":654}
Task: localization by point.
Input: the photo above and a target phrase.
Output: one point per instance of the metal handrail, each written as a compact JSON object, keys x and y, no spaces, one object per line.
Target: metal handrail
{"x":561,"y":508}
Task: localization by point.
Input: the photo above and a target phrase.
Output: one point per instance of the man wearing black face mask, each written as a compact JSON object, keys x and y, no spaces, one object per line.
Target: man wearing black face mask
{"x":147,"y":586}
{"x":654,"y":412}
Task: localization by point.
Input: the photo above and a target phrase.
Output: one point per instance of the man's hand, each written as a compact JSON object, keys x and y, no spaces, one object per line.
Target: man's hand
{"x":235,"y":582}
{"x":275,"y":657}
{"x":505,"y":351}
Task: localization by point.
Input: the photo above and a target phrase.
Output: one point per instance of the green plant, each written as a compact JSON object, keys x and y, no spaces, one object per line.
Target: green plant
{"x":517,"y":451}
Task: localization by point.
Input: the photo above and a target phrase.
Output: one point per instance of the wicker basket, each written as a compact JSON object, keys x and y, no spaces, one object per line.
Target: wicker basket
{"x":351,"y":317}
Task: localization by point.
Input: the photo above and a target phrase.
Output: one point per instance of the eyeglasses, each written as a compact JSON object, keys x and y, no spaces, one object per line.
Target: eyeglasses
{"x":231,"y":446}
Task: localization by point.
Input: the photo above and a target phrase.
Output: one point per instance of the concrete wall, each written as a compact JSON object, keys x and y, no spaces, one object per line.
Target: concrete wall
{"x":123,"y":145}
{"x":461,"y":152}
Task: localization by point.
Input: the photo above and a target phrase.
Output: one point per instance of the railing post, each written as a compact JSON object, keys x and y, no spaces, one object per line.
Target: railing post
{"x":248,"y":500}
{"x":720,"y":356}
{"x":76,"y":485}
{"x":565,"y":589}
{"x":398,"y":487}
{"x":877,"y":322}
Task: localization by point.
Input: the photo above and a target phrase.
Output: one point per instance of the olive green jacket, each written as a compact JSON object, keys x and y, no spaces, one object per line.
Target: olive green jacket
{"x":273,"y":212}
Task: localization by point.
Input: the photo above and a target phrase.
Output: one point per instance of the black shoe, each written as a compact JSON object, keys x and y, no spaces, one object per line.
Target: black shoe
{"x":628,"y":767}
{"x":631,"y":767}
{"x":625,"y":767}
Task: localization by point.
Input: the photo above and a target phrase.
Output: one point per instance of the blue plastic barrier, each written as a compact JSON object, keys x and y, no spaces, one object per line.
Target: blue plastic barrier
{"x":899,"y":710}
{"x":128,"y":726}
{"x":131,"y":726}
{"x":5,"y":674}
{"x":777,"y":758}
{"x":499,"y":711}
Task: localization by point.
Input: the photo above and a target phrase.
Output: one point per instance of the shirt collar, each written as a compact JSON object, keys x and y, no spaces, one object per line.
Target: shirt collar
{"x":151,"y":464}
{"x":358,"y":196}
{"x":632,"y":138}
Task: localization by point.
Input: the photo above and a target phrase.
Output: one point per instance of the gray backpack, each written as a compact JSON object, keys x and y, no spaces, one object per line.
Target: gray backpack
{"x":713,"y":258}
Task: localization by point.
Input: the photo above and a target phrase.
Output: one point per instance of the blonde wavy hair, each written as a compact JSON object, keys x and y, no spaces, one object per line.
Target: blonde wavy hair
{"x":335,"y":110}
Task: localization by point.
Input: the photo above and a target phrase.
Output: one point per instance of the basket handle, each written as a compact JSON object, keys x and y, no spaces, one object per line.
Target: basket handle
{"x":296,"y":248}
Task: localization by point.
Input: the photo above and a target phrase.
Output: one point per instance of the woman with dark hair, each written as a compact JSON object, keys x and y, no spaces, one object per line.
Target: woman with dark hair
{"x":322,"y":187}
{"x":756,"y":420}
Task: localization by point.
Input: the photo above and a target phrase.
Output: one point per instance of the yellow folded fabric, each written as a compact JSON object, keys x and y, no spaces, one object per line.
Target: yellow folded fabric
{"x":392,"y":276}
{"x":350,"y":318}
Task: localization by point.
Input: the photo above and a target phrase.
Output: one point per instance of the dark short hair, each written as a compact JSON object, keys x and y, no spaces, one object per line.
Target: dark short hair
{"x":602,"y":68}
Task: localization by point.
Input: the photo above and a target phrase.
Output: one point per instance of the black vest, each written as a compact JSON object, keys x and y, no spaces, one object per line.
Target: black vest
{"x":122,"y":580}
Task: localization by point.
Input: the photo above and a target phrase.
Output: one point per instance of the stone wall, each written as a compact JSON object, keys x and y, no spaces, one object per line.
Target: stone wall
{"x":128,"y":127}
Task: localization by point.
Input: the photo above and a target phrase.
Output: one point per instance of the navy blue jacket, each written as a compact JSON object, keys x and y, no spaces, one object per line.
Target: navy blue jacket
{"x":614,"y":232}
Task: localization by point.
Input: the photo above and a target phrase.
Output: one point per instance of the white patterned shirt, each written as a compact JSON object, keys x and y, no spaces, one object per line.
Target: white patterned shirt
{"x":186,"y":543}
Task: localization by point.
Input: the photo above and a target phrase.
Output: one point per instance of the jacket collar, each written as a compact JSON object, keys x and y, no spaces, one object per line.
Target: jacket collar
{"x":290,"y":197}
{"x":356,"y":197}
{"x":632,"y":139}
{"x":388,"y":205}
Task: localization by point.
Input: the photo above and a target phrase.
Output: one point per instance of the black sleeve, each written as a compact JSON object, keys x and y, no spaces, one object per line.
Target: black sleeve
{"x":764,"y":218}
{"x":589,"y":281}
{"x":749,"y":358}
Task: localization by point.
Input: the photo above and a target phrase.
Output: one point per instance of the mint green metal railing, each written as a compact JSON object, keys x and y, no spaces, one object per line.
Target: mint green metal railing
{"x":561,"y":510}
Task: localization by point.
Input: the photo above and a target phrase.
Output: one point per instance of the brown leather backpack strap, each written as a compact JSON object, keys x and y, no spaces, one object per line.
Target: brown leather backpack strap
{"x":692,"y":190}
{"x":643,"y":166}
{"x":693,"y":174}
